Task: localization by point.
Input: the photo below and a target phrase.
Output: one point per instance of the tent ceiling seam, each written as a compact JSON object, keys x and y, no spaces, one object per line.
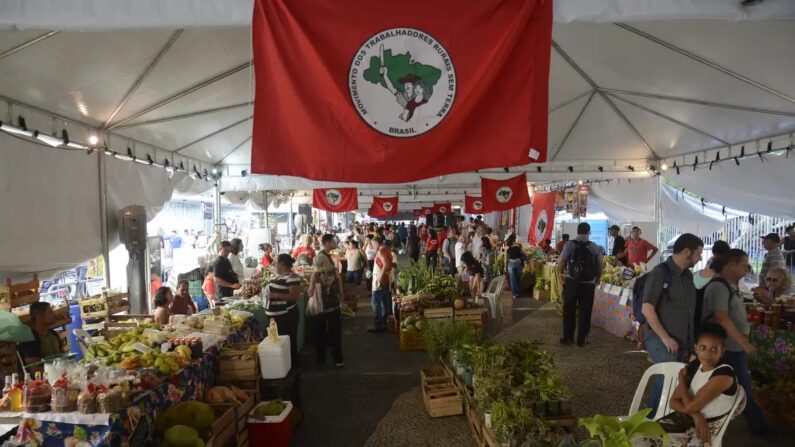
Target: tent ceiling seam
{"x":27,"y":44}
{"x":573,"y":125}
{"x":248,"y":138}
{"x":185,"y":115}
{"x":151,"y":66}
{"x":183,"y":93}
{"x":697,"y":101}
{"x":609,"y":102}
{"x":212,"y":134}
{"x":671,"y":119}
{"x":704,"y":61}
{"x":571,"y":100}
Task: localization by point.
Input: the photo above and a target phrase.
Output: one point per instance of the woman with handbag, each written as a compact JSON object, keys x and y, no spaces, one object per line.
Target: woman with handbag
{"x":325,"y":285}
{"x":281,"y":297}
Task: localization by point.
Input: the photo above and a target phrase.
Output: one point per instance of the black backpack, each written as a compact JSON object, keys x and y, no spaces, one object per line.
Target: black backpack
{"x":700,"y":300}
{"x":582,"y":266}
{"x":638,"y":289}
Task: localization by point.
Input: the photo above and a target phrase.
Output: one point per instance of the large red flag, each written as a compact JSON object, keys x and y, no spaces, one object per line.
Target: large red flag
{"x":443,"y":208}
{"x":341,"y":91}
{"x":503,"y":195}
{"x":543,"y":219}
{"x":335,"y":199}
{"x":474,"y":205}
{"x":384,"y":206}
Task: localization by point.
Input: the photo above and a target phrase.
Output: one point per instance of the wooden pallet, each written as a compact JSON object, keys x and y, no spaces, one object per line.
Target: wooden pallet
{"x":441,"y":397}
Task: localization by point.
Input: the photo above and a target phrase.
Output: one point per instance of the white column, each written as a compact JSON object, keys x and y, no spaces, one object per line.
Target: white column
{"x":103,"y":214}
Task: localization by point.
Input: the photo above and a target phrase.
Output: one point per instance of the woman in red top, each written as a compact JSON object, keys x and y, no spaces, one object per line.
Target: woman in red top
{"x":267,"y":259}
{"x":423,"y":233}
{"x":432,"y":250}
{"x":304,"y":251}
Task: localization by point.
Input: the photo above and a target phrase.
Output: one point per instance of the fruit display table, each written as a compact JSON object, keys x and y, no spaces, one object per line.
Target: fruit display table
{"x":608,"y":311}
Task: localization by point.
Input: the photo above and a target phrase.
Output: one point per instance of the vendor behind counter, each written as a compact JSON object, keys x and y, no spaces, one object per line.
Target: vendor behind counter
{"x":46,"y":341}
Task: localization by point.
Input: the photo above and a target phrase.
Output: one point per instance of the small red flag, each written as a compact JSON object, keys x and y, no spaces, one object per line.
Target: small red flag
{"x":474,"y":205}
{"x":443,"y":208}
{"x":335,"y":199}
{"x":503,"y":195}
{"x":543,"y":219}
{"x":384,"y":206}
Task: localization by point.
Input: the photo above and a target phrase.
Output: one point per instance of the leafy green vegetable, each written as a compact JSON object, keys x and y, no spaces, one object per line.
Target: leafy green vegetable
{"x":614,"y":433}
{"x":446,"y":334}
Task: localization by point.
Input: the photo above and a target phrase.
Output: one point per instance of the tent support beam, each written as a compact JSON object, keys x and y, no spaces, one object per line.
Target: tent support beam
{"x":697,"y":101}
{"x":186,"y":115}
{"x":569,"y":101}
{"x":103,"y":215}
{"x":183,"y":93}
{"x":609,"y":101}
{"x":668,"y":118}
{"x":704,"y":61}
{"x":24,"y":45}
{"x":755,"y":142}
{"x":248,"y":138}
{"x":212,"y":134}
{"x":131,"y":91}
{"x":573,"y":125}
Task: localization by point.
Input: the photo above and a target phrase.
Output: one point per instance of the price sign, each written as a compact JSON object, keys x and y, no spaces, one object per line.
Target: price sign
{"x":627,"y":274}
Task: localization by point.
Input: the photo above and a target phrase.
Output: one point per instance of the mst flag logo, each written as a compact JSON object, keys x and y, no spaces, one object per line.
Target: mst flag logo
{"x":387,"y":207}
{"x":402,"y":82}
{"x":540,"y":227}
{"x":333,"y":197}
{"x":504,"y":194}
{"x":478,"y":205}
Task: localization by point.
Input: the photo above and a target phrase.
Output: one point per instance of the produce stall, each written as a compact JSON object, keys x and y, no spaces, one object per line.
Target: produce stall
{"x":612,"y":309}
{"x":126,"y":390}
{"x":548,"y":275}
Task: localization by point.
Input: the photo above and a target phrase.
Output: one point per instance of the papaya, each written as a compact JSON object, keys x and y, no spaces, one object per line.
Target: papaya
{"x":196,"y":415}
{"x":181,"y":436}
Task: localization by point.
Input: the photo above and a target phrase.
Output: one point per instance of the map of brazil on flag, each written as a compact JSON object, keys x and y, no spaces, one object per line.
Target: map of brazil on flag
{"x":344,"y":89}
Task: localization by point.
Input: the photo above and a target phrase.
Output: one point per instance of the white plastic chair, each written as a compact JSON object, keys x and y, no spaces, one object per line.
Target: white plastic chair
{"x":670,"y":373}
{"x":717,"y":440}
{"x":492,"y":294}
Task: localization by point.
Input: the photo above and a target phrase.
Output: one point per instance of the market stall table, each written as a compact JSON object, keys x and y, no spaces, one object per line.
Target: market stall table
{"x":549,"y":271}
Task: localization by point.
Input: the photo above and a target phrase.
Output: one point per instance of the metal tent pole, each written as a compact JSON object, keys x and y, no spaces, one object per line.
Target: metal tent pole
{"x":103,"y":214}
{"x":658,"y":213}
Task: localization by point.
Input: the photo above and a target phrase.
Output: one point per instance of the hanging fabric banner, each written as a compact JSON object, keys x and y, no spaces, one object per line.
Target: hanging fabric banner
{"x":474,"y":205}
{"x":502,"y":195}
{"x":337,"y":200}
{"x":417,"y":83}
{"x":425,"y":210}
{"x":384,"y":206}
{"x":542,"y":221}
{"x":443,"y":208}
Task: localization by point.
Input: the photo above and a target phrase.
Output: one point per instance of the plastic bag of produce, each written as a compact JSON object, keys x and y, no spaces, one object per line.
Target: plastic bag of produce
{"x":13,"y":329}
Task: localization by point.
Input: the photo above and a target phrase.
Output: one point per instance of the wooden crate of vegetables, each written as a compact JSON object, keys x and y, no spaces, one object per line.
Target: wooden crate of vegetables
{"x":19,"y":294}
{"x":224,"y":428}
{"x":473,"y":315}
{"x":93,"y":308}
{"x":239,"y":362}
{"x":442,"y":397}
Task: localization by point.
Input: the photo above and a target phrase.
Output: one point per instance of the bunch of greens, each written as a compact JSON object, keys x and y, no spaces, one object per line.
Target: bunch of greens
{"x":412,"y":278}
{"x":448,"y":334}
{"x":499,"y":264}
{"x":443,"y":287}
{"x":611,"y":432}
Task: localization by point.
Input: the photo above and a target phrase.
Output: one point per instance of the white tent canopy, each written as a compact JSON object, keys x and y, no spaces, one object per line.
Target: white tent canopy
{"x":631,"y":82}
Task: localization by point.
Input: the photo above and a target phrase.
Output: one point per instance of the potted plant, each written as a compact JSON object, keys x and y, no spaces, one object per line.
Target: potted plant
{"x":444,"y":335}
{"x":609,"y":431}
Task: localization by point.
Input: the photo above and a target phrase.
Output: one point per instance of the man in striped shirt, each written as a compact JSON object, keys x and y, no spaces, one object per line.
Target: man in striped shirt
{"x":281,"y":295}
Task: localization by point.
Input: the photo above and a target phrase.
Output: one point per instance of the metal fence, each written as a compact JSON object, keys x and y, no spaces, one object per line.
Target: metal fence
{"x":744,"y":233}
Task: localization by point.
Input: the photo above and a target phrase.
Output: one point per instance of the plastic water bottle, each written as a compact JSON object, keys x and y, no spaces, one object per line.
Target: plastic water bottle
{"x":273,"y":331}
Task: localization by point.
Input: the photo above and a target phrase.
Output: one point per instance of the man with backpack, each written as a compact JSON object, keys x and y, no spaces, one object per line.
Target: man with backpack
{"x":581,"y":264}
{"x":668,"y":312}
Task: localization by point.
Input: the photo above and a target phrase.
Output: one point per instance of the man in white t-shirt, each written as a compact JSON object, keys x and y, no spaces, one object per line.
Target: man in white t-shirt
{"x":461,"y":246}
{"x":477,"y":241}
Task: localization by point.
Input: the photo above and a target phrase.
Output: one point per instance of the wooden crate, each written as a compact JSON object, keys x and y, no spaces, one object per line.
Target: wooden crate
{"x":242,"y":438}
{"x":412,"y":341}
{"x":241,"y":413}
{"x":118,"y":300}
{"x":224,"y":428}
{"x":252,"y":387}
{"x":474,"y":316}
{"x":19,"y":294}
{"x":541,"y":295}
{"x":441,"y":397}
{"x":436,"y":314}
{"x":474,"y":421}
{"x":8,"y":357}
{"x":432,"y":372}
{"x":489,"y":439}
{"x":238,"y":363}
{"x":93,"y":308}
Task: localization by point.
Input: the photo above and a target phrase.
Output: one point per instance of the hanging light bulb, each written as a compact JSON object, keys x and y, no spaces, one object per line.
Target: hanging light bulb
{"x":664,"y":167}
{"x":93,"y":140}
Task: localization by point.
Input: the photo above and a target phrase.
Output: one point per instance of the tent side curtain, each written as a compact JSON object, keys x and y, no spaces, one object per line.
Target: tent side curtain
{"x":50,"y":204}
{"x":758,"y":186}
{"x":92,"y":15}
{"x":635,"y":202}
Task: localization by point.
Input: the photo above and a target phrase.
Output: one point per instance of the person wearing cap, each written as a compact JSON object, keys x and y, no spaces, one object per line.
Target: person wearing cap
{"x":774,"y":257}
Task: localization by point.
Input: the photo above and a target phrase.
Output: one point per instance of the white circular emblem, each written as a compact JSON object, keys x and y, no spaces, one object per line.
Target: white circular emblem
{"x":541,"y":226}
{"x":443,"y":209}
{"x":427,"y":211}
{"x":387,"y":206}
{"x":504,"y":194}
{"x":333,"y":197}
{"x":477,"y":204}
{"x":402,"y":82}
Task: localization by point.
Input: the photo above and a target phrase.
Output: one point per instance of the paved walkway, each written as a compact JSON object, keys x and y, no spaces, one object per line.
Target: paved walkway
{"x":375,"y":400}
